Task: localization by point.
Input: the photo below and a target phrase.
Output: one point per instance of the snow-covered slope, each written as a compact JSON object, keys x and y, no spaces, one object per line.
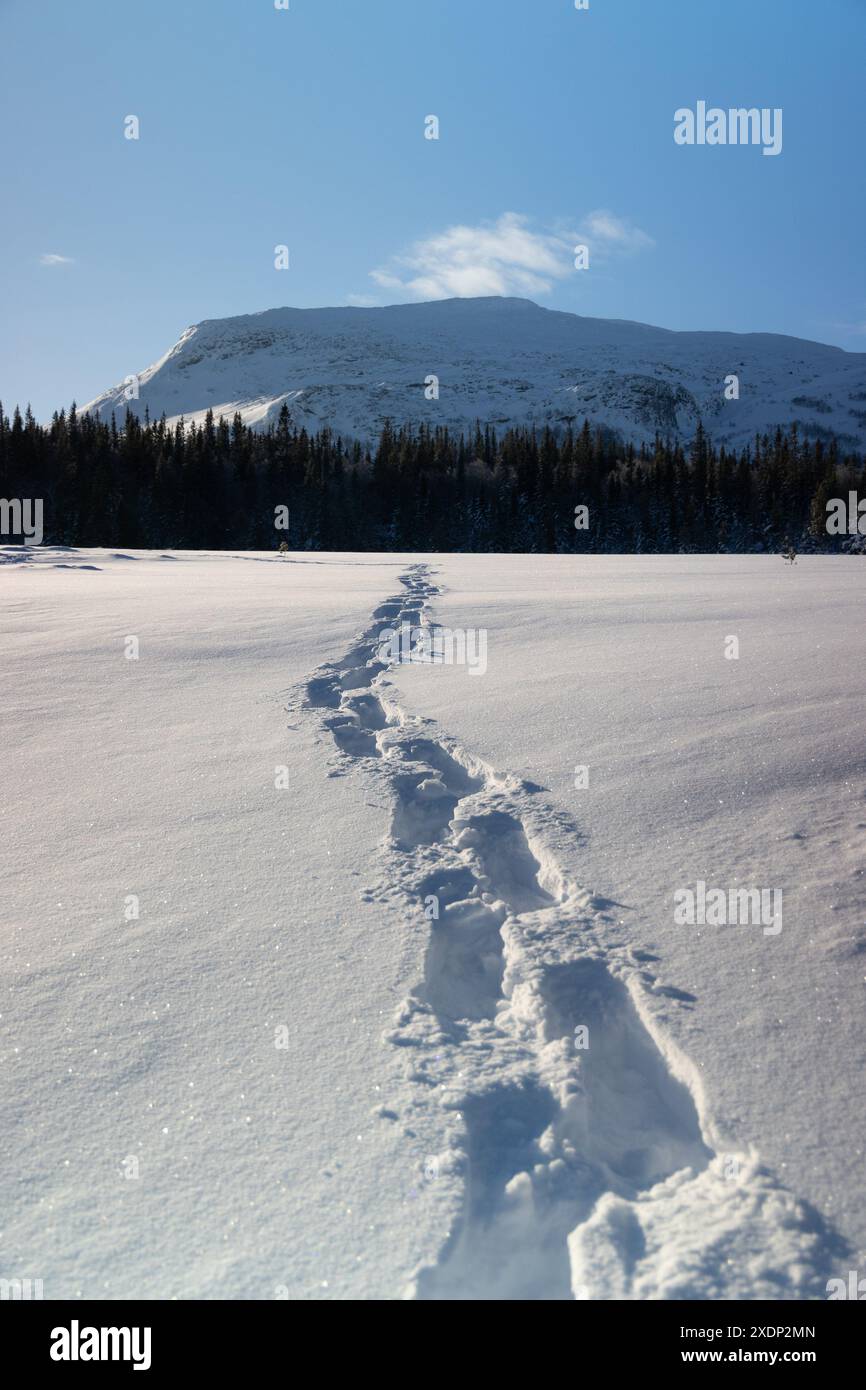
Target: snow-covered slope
{"x":503,"y":361}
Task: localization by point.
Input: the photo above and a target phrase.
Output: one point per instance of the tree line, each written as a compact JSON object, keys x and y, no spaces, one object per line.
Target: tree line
{"x":222,"y":485}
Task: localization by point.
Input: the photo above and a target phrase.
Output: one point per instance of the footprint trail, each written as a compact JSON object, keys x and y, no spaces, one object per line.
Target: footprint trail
{"x":579,"y":1149}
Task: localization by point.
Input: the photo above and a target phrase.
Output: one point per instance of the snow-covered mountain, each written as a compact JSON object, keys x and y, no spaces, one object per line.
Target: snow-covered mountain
{"x":500,"y":361}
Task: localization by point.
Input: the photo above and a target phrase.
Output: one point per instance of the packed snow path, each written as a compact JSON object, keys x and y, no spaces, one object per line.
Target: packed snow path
{"x":579,"y":1138}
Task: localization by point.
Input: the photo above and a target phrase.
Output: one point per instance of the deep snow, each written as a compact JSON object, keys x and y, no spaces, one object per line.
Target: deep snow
{"x":434,"y":1127}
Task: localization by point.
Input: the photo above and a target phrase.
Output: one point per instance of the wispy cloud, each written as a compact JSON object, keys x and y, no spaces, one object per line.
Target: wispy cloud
{"x":853,"y":330}
{"x":52,"y":258}
{"x":505,"y":257}
{"x":605,"y":233}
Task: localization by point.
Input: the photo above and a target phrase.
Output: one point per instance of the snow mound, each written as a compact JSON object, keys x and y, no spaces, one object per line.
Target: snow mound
{"x":728,"y":1233}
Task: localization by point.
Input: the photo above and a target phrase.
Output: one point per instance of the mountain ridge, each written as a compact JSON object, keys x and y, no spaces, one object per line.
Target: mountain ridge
{"x":497,"y":360}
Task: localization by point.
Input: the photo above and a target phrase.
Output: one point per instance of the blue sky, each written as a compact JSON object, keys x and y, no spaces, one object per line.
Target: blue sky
{"x":261,"y":127}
